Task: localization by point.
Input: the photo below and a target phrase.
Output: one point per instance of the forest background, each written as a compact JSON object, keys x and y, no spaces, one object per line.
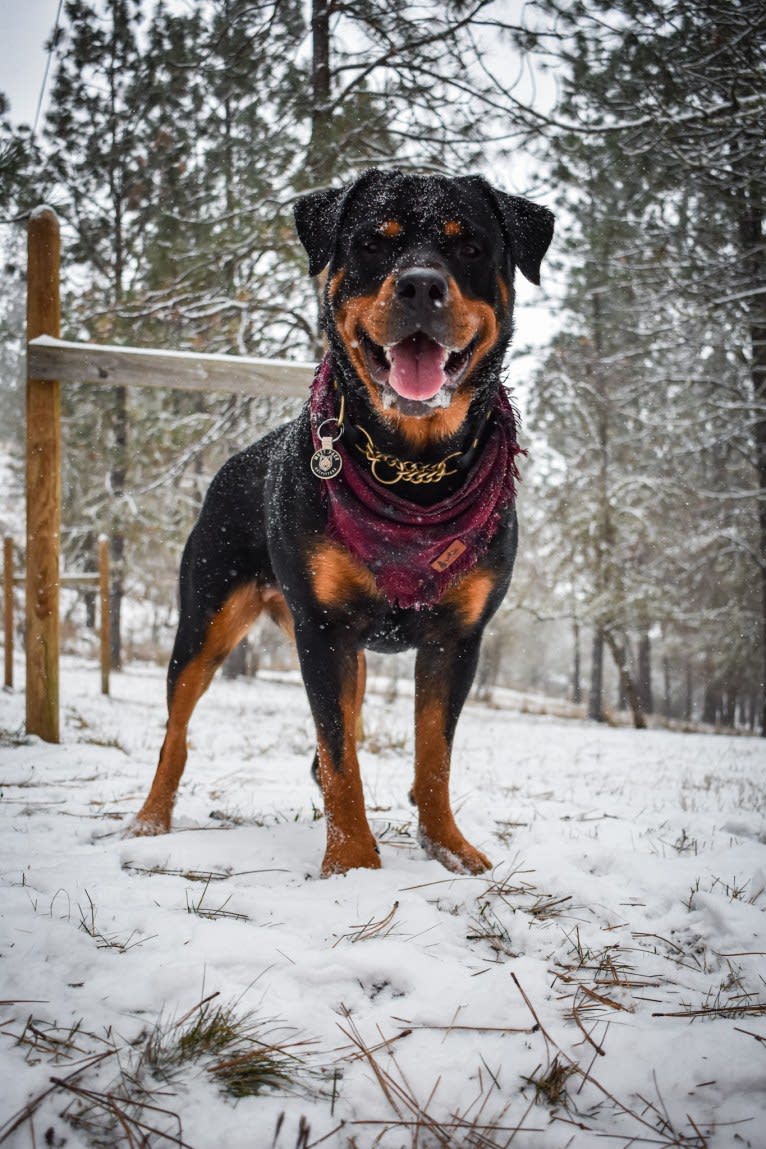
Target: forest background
{"x":176,"y":139}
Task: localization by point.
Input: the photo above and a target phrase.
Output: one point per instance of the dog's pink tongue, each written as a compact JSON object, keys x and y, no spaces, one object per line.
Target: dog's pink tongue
{"x":417,"y":367}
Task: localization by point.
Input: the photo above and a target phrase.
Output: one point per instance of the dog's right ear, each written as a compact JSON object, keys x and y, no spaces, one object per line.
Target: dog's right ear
{"x":316,"y":221}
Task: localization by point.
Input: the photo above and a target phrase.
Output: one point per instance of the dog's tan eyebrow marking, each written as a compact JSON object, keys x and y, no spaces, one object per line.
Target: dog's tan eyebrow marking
{"x":391,"y":228}
{"x":336,"y":281}
{"x":453,"y":227}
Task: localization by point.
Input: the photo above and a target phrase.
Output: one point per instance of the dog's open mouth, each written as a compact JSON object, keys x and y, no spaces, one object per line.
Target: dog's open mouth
{"x":417,"y":370}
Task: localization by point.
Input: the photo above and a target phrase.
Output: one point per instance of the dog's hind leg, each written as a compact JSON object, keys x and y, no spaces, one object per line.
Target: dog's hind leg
{"x":202,"y":644}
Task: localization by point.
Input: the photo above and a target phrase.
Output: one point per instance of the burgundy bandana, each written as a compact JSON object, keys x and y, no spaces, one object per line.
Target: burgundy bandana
{"x":416,"y":552}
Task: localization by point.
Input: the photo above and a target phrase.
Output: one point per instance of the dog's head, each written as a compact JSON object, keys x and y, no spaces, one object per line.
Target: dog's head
{"x":419,"y":295}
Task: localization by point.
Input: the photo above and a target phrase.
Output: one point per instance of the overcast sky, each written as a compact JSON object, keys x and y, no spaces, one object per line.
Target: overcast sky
{"x":25,"y":25}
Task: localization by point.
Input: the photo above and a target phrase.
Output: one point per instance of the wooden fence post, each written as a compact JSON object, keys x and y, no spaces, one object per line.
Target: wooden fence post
{"x":8,"y":609}
{"x":43,"y":486}
{"x":103,"y":587}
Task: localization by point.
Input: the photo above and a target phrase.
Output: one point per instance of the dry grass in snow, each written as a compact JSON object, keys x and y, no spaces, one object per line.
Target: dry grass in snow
{"x":604,"y":984}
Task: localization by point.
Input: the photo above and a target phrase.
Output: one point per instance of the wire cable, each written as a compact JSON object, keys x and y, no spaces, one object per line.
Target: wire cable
{"x":51,"y":46}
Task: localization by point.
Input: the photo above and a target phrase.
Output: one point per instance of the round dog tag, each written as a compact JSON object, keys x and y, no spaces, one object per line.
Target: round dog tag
{"x":326,"y":463}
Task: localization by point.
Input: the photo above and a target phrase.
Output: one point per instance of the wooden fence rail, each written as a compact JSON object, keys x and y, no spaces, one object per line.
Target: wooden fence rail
{"x":56,"y":359}
{"x":52,"y":361}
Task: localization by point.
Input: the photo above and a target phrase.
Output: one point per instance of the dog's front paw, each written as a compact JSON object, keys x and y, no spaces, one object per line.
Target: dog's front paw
{"x":345,"y":852}
{"x":149,"y":821}
{"x":455,"y":853}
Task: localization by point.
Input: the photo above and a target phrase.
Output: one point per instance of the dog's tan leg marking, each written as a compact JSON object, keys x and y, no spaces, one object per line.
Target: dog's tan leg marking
{"x":437,"y":830}
{"x":227,"y":627}
{"x":350,"y":841}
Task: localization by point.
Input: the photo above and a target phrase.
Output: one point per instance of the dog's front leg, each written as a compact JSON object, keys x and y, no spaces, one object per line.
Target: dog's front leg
{"x":330,"y":666}
{"x":443,"y":677}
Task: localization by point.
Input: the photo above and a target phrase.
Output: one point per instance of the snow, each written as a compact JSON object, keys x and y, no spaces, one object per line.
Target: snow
{"x":42,"y":210}
{"x":616,"y":955}
{"x":161,"y":354}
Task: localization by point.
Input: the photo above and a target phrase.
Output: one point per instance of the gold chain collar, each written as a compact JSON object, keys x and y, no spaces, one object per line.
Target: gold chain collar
{"x":403,"y":470}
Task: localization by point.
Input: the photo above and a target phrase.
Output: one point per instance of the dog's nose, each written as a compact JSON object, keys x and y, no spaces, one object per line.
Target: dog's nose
{"x":422,"y":290}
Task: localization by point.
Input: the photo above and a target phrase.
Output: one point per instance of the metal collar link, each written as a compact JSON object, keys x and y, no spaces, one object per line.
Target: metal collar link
{"x":403,"y":470}
{"x":327,"y":463}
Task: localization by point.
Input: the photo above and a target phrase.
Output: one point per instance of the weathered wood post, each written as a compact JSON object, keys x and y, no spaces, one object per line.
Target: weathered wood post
{"x":43,"y":485}
{"x":103,"y":613}
{"x":8,"y":609}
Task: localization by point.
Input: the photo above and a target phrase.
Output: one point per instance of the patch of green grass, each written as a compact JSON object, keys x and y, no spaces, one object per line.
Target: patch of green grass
{"x":231,"y":1047}
{"x":139,"y":1105}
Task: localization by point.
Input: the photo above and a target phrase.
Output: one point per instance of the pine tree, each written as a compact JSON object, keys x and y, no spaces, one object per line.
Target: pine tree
{"x":665,"y":99}
{"x":93,"y":158}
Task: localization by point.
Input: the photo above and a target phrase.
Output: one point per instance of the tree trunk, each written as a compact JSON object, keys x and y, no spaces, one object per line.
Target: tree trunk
{"x":119,"y":471}
{"x":89,"y":596}
{"x":667,"y":693}
{"x":319,"y":158}
{"x":319,"y":162}
{"x":596,"y":698}
{"x":621,"y":698}
{"x":710,"y":704}
{"x":689,"y":692}
{"x":489,"y":666}
{"x":644,"y":684}
{"x":752,"y":240}
{"x":235,"y":665}
{"x":577,"y":671}
{"x":628,"y":685}
{"x":117,"y":477}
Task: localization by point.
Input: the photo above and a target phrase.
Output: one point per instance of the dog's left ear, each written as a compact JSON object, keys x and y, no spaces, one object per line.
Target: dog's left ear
{"x":528,"y":228}
{"x":316,"y":221}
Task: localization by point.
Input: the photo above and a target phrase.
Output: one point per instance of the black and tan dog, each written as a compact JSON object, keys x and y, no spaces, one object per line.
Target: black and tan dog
{"x":383,"y":516}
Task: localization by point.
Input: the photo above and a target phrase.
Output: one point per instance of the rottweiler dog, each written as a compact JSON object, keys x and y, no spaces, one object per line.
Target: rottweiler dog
{"x":382,"y":517}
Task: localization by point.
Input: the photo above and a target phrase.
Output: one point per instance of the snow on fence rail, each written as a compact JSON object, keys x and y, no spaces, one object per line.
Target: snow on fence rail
{"x":52,"y":361}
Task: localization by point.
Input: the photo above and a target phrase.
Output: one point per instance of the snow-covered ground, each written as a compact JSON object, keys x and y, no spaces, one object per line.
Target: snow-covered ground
{"x":605,"y":984}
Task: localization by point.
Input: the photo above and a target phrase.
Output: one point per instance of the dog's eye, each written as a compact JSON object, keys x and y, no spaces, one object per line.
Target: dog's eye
{"x":371,"y":246}
{"x":470,"y":250}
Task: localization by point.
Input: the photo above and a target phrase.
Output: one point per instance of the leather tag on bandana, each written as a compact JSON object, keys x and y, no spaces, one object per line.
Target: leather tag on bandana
{"x":448,"y":557}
